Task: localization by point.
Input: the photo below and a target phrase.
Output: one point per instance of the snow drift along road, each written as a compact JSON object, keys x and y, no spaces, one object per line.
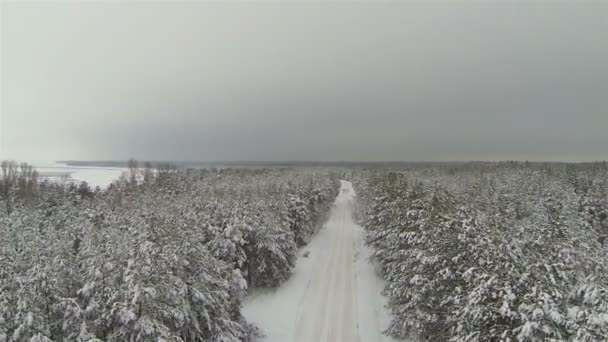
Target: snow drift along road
{"x":334,"y":294}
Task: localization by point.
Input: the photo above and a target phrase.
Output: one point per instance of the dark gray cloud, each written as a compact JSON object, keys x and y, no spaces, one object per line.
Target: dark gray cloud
{"x":305,"y":81}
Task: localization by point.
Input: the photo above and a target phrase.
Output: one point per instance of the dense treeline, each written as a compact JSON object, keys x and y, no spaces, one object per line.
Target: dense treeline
{"x":161,"y":255}
{"x":501,"y":252}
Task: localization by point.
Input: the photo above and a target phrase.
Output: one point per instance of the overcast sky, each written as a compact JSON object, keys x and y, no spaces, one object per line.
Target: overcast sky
{"x":458,"y":80}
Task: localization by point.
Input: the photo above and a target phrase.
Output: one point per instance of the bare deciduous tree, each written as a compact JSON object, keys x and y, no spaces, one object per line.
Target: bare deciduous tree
{"x":8,"y":182}
{"x":27,"y":180}
{"x":133,"y":166}
{"x":17,"y":180}
{"x":148,"y":173}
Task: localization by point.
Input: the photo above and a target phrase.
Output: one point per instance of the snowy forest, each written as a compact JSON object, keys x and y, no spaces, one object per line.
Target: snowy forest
{"x":469,"y":252}
{"x":491,"y":251}
{"x":161,"y":255}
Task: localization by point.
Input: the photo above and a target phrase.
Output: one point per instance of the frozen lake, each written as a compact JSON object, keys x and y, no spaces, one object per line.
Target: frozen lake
{"x":94,"y":175}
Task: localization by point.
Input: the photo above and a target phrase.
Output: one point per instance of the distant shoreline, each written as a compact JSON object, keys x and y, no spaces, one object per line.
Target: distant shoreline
{"x":290,"y":164}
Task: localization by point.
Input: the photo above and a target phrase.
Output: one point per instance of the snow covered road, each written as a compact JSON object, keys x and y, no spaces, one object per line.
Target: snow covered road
{"x":334,"y":294}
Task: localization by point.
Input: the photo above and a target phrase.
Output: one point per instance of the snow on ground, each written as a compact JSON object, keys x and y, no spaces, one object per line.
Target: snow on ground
{"x":334,"y":294}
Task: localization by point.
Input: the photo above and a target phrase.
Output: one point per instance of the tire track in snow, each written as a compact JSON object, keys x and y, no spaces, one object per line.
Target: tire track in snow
{"x":310,"y":326}
{"x":336,"y":318}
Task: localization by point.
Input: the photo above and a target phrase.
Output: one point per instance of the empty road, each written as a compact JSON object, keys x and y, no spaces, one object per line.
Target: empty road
{"x":334,"y":294}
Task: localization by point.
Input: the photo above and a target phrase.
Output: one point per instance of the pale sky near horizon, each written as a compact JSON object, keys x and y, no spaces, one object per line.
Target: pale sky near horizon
{"x":364,"y":81}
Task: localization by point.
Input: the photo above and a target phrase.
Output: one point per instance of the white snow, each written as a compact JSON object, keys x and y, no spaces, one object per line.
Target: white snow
{"x":334,"y":294}
{"x":94,"y":175}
